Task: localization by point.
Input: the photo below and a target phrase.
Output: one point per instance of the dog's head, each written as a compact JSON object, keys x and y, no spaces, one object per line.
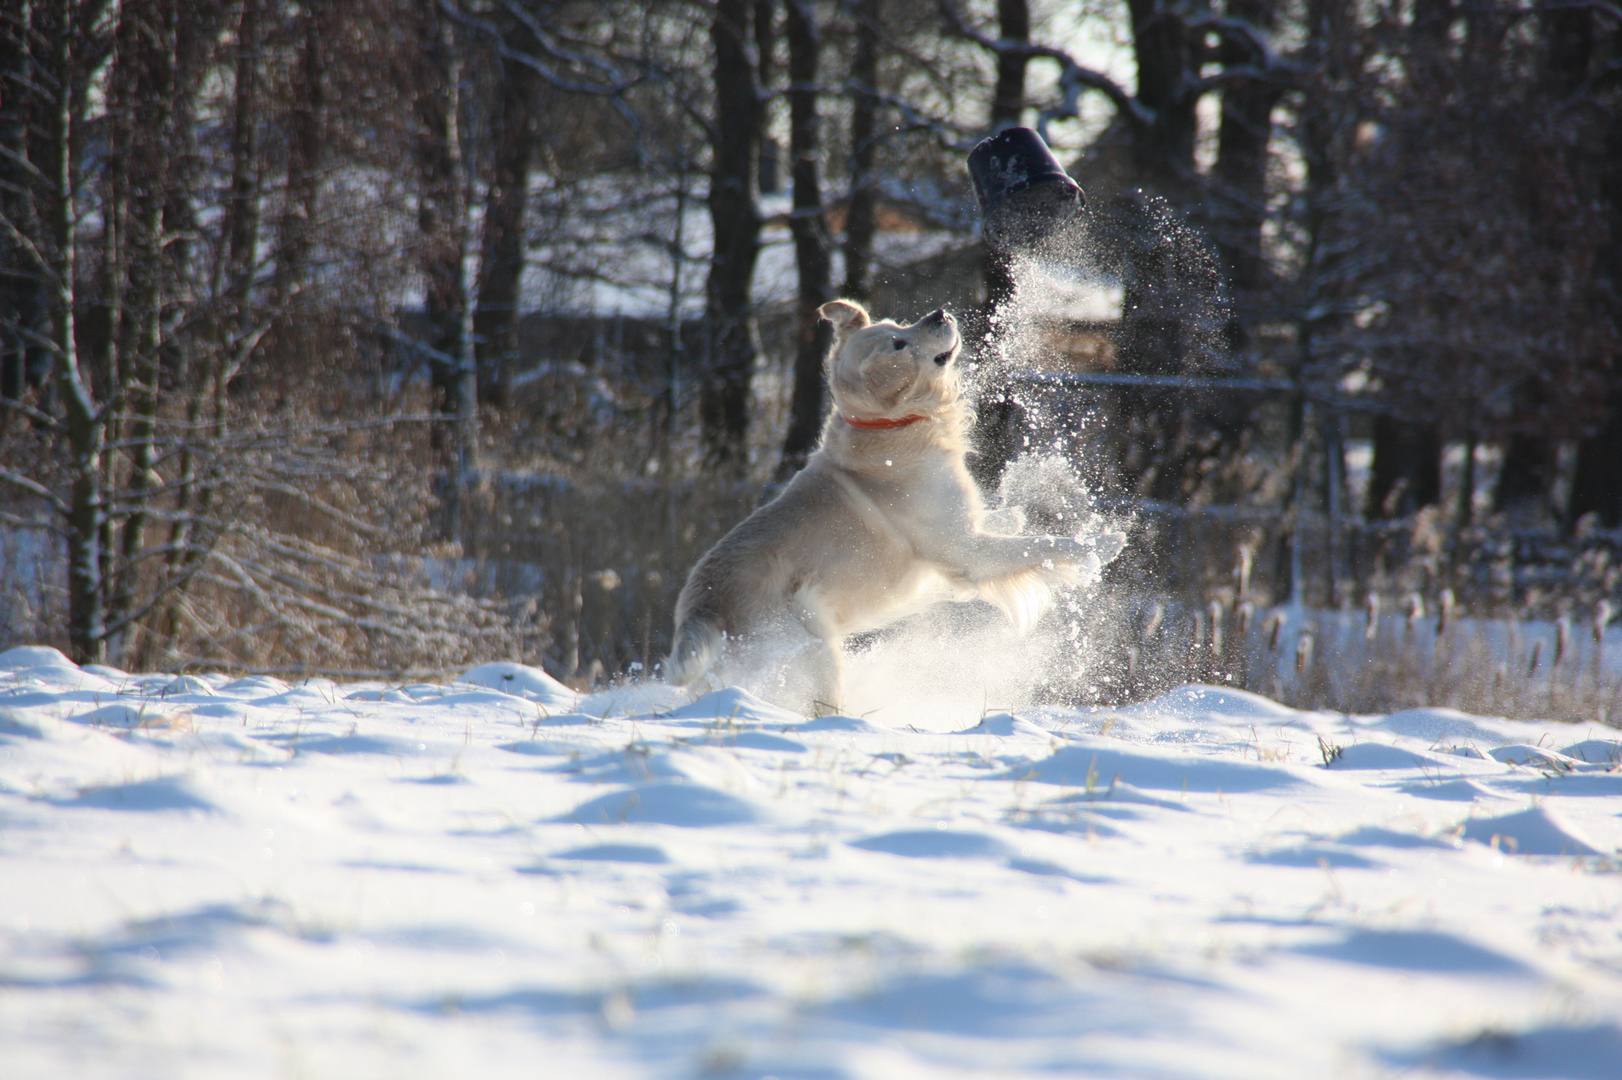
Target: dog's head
{"x":880,"y":369}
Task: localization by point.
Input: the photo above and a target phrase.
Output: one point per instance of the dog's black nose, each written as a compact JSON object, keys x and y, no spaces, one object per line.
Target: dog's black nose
{"x":936,"y":316}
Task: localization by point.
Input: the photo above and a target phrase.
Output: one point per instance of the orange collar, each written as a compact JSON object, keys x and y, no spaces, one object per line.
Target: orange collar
{"x":883,"y":424}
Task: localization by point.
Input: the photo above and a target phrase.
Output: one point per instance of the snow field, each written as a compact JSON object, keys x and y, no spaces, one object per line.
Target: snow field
{"x":206,"y":876}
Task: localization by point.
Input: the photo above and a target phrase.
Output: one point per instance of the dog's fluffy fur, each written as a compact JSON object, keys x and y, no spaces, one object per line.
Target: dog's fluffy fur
{"x":883,"y":521}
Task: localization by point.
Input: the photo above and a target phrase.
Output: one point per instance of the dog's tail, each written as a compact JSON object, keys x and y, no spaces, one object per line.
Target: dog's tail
{"x":696,"y":645}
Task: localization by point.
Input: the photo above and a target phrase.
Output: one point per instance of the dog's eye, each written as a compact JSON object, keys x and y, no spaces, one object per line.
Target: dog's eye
{"x":900,"y":344}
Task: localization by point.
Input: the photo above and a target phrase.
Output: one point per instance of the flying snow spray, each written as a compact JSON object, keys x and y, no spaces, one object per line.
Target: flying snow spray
{"x":1029,"y":207}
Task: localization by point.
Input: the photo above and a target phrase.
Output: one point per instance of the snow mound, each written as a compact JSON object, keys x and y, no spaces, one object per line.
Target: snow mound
{"x":1447,"y":790}
{"x":759,"y":740}
{"x":1375,"y":836}
{"x":1094,"y":762}
{"x":1436,"y":723}
{"x":1570,"y":1053}
{"x":254,"y":686}
{"x":839,"y":723}
{"x":1534,"y":756}
{"x":573,"y":719}
{"x":184,"y":686}
{"x":668,"y":803}
{"x":1418,"y":950}
{"x":735,"y":705}
{"x":34,"y":657}
{"x":386,"y":745}
{"x":634,"y":700}
{"x":15,"y":726}
{"x":935,"y":844}
{"x":1371,"y":755}
{"x":626,"y":853}
{"x":1006,"y":725}
{"x":1308,"y":855}
{"x":161,"y":793}
{"x":638,"y":762}
{"x":144,"y":714}
{"x":1530,"y":832}
{"x":1595,"y":751}
{"x":1119,"y":791}
{"x":1196,"y":701}
{"x":520,"y":680}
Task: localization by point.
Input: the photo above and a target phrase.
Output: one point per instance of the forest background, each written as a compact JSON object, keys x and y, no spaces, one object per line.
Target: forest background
{"x":386,"y":336}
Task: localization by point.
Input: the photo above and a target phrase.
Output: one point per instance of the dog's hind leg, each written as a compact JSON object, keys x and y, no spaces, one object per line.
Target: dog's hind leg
{"x":818,"y":669}
{"x":812,"y":680}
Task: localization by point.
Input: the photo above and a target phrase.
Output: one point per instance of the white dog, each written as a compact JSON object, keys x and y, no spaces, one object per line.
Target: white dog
{"x":882,"y":522}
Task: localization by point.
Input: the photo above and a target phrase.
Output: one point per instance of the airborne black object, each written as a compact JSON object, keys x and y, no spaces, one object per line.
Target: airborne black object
{"x":1024,"y":193}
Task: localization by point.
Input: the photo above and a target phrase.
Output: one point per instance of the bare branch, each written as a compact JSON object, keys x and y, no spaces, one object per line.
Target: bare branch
{"x":1073,"y":77}
{"x":34,"y":487}
{"x":44,"y":419}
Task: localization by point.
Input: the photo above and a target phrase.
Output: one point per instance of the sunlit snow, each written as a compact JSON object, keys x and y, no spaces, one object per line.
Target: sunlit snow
{"x":207,"y":876}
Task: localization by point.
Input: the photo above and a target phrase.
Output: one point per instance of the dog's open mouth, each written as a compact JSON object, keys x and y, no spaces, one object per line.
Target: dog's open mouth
{"x":946,"y":357}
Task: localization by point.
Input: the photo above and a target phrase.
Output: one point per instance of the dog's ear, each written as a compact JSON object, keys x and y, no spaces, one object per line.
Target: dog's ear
{"x":845,"y":315}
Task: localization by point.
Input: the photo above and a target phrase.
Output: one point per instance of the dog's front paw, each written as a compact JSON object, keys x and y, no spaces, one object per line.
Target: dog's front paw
{"x":1104,"y":546}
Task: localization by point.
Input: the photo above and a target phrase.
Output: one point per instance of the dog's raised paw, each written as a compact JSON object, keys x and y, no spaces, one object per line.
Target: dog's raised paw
{"x":1105,"y":545}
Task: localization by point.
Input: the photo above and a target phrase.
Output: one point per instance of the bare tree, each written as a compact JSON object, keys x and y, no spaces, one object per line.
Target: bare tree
{"x":442,"y":220}
{"x":501,"y":261}
{"x":735,"y":220}
{"x":301,"y":211}
{"x":812,"y":242}
{"x":861,"y":203}
{"x":1239,"y":175}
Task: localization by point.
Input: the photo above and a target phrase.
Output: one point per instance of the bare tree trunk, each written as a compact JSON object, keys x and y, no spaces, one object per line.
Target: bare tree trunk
{"x":1008,"y":102}
{"x":861,"y":209}
{"x":1166,"y":52}
{"x":51,"y":40}
{"x":19,"y":290}
{"x":206,"y":404}
{"x":1596,"y":486}
{"x":242,"y":228}
{"x":301,"y":202}
{"x":501,"y":262}
{"x":148,"y":33}
{"x":735,"y":217}
{"x":1154,"y":331}
{"x":812,"y":244}
{"x":1240,"y":171}
{"x":1406,"y":474}
{"x":769,"y":159}
{"x":1526,"y":477}
{"x":442,"y":242}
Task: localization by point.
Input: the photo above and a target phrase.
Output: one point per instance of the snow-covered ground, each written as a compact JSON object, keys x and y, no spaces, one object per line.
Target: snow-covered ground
{"x":242,"y":878}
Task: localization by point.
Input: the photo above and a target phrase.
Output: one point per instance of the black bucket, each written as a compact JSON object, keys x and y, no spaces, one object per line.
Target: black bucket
{"x":1024,"y":193}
